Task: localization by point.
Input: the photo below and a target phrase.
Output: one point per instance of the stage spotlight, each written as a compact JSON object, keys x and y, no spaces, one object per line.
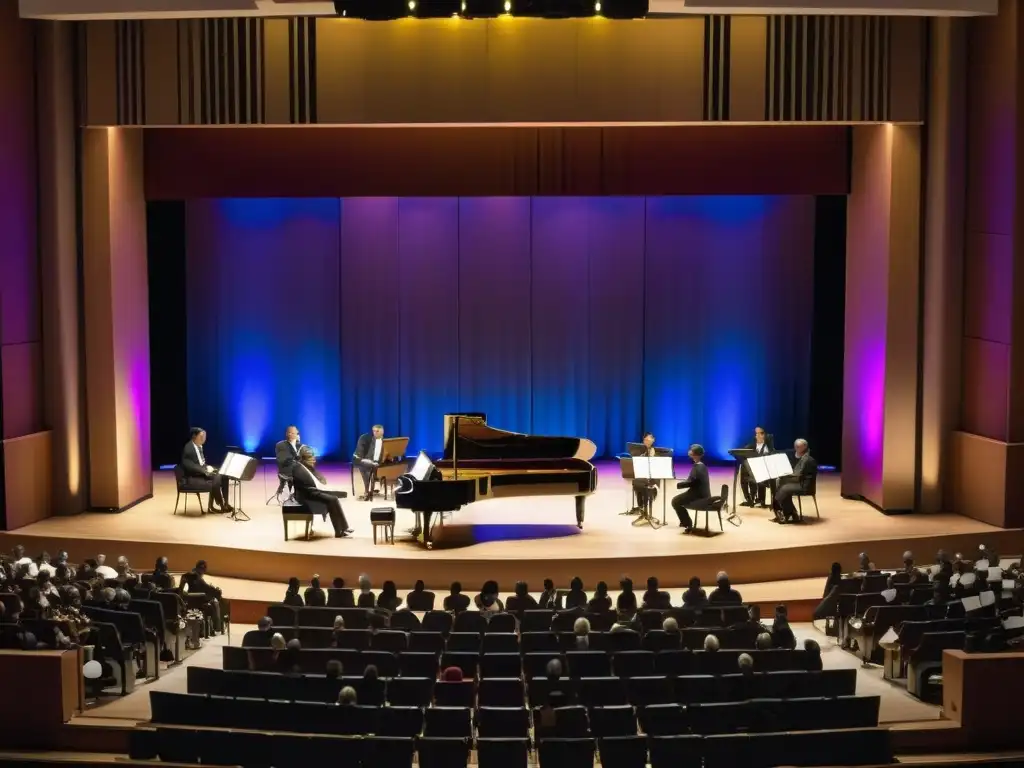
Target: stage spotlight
{"x":623,"y":9}
{"x":374,"y":10}
{"x":437,"y":9}
{"x":484,"y":9}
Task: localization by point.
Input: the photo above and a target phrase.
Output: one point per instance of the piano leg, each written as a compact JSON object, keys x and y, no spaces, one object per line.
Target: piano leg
{"x":427,"y":531}
{"x":580,"y":510}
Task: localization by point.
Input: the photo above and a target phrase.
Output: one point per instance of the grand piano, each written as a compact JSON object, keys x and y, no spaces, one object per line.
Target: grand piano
{"x":483,"y":462}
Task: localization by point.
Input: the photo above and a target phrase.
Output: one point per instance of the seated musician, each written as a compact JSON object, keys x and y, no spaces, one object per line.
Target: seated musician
{"x":311,"y":490}
{"x":646,"y":490}
{"x":753,"y":492}
{"x":201,"y":476}
{"x":697,"y":485}
{"x":369,"y":455}
{"x":286,"y":452}
{"x":797,"y":482}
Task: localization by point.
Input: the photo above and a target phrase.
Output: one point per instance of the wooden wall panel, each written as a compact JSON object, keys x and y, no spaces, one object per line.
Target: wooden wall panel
{"x":293,"y":71}
{"x":183,"y":163}
{"x":28,"y":470}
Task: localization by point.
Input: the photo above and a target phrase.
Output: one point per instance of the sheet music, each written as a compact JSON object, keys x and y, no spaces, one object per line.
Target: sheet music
{"x":1008,"y":585}
{"x":987,"y":598}
{"x":972,"y":603}
{"x":981,"y":565}
{"x":968,"y":579}
{"x":778,"y":465}
{"x":889,"y":595}
{"x":889,"y":638}
{"x":995,"y":574}
{"x":234,"y":465}
{"x":759,"y":469}
{"x":1013,"y":622}
{"x":652,"y":467}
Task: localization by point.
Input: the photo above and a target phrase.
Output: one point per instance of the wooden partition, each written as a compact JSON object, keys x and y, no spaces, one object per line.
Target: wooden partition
{"x":44,"y":690}
{"x":251,"y":71}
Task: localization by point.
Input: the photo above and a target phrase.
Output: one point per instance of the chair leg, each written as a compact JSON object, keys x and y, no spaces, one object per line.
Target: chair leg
{"x":202,"y":509}
{"x":799,"y":509}
{"x":286,"y":530}
{"x":720,"y":526}
{"x":176,"y":499}
{"x":814,"y":498}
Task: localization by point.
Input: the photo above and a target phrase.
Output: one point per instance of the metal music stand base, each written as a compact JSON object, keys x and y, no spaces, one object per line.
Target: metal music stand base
{"x":237,"y":514}
{"x":647,"y":518}
{"x":734,"y":518}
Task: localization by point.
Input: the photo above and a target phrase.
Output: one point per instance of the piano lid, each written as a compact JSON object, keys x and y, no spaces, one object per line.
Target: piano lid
{"x":477,"y":440}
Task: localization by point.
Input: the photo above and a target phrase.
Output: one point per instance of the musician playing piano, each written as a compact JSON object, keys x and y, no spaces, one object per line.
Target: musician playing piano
{"x":754,"y":493}
{"x":368,"y":456}
{"x":646,"y":490}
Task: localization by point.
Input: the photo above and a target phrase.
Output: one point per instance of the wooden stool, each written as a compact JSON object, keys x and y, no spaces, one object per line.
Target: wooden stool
{"x":383,"y":517}
{"x":294,"y":511}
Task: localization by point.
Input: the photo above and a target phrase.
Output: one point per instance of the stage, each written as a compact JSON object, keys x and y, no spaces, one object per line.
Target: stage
{"x":511,"y":539}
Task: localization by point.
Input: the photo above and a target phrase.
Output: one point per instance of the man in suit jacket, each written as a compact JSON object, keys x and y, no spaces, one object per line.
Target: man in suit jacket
{"x":800,"y":480}
{"x":287,"y":452}
{"x":200,"y":476}
{"x":754,"y":493}
{"x":310,"y":490}
{"x":697,"y":485}
{"x":368,"y":456}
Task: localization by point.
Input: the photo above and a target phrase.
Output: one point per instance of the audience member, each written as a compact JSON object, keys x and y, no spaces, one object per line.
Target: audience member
{"x":45,"y":566}
{"x":626,"y":601}
{"x":452,"y":675}
{"x":814,"y":650}
{"x":337,"y":631}
{"x":337,"y":583}
{"x":388,"y":598}
{"x":261,"y":636}
{"x":670,"y":626}
{"x":487,"y":601}
{"x":600,"y":602}
{"x":103,"y":570}
{"x":864,"y":564}
{"x":314,"y":594}
{"x":746,"y":663}
{"x":162,"y":574}
{"x":291,"y":595}
{"x":522,"y":600}
{"x":347,"y":696}
{"x":654,"y":598}
{"x":334,"y":669}
{"x":763,"y":642}
{"x":782,"y":634}
{"x":753,"y":621}
{"x":581,"y":628}
{"x":576,"y":598}
{"x":549,"y":597}
{"x":724,"y":593}
{"x":694,"y":596}
{"x":835,"y":578}
{"x":419,"y":599}
{"x":456,"y":602}
{"x":711,"y":643}
{"x":366,"y":597}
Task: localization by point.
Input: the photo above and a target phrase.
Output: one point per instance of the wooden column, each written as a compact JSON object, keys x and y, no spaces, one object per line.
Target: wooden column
{"x":116,"y":317}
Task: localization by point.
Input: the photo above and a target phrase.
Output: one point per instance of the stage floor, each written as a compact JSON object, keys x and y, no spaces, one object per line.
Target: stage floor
{"x":510,"y":539}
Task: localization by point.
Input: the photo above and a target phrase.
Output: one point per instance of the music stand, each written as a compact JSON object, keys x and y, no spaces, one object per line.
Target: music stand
{"x":626,"y":467}
{"x":741,"y":455}
{"x":653,"y":468}
{"x":238,"y":467}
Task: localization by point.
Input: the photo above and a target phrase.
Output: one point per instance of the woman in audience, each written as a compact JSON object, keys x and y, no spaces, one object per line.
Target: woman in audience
{"x":487,"y":601}
{"x":626,"y":601}
{"x":371,"y":687}
{"x":694,"y":596}
{"x":549,"y":597}
{"x":581,"y":628}
{"x":366,"y":597}
{"x":291,"y":595}
{"x":813,"y":651}
{"x":576,"y":598}
{"x":782,"y":634}
{"x":336,"y":632}
{"x":289,"y":661}
{"x":600,"y":602}
{"x":456,"y":602}
{"x":522,"y":600}
{"x":334,"y":669}
{"x":338,"y":583}
{"x":388,"y":598}
{"x":314,"y":594}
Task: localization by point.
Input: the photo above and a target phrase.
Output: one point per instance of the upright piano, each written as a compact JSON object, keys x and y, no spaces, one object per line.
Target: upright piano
{"x":483,"y":462}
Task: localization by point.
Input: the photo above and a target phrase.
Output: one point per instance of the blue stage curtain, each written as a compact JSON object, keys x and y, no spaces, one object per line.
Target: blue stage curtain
{"x":594,"y":317}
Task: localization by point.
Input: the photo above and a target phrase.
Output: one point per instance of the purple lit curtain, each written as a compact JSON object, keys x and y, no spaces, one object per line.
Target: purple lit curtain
{"x":593,"y":317}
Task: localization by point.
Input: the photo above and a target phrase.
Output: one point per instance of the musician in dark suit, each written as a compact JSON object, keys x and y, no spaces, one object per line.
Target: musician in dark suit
{"x":200,"y":476}
{"x":646,"y":490}
{"x":754,"y":493}
{"x":287,"y":452}
{"x":310,"y":489}
{"x":798,"y":481}
{"x":697,"y":485}
{"x":369,"y":455}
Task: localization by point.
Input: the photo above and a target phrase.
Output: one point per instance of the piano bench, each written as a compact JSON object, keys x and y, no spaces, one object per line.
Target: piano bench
{"x":383,"y":517}
{"x":293,"y":511}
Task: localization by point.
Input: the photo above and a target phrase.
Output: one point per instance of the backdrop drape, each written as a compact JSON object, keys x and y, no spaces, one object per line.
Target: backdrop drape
{"x":596,"y":317}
